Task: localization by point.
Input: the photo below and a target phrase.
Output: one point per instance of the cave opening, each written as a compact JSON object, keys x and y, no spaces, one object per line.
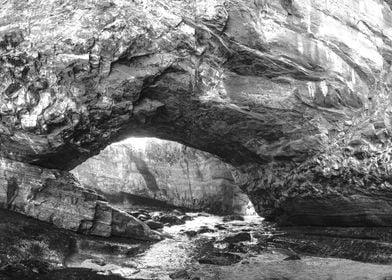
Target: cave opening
{"x":295,"y":95}
{"x":151,"y":172}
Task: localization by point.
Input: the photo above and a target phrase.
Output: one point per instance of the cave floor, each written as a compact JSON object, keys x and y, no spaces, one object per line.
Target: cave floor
{"x":204,"y":247}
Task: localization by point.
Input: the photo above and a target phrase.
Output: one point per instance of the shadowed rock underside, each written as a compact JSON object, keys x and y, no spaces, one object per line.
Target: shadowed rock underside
{"x":294,"y":94}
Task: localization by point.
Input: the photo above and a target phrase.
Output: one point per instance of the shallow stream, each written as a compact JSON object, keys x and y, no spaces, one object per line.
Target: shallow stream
{"x":197,"y":250}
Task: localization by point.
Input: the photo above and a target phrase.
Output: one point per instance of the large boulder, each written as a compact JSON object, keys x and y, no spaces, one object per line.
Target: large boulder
{"x":58,"y":198}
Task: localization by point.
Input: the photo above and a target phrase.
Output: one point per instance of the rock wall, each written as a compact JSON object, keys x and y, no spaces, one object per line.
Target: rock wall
{"x":164,"y":171}
{"x":57,"y":198}
{"x":271,"y":87}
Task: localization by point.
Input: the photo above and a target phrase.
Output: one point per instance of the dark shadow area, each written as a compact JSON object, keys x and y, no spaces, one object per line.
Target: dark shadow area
{"x":31,"y":249}
{"x":61,"y":274}
{"x":26,"y":245}
{"x":363,"y":244}
{"x":136,"y":201}
{"x":12,"y":191}
{"x":148,"y":177}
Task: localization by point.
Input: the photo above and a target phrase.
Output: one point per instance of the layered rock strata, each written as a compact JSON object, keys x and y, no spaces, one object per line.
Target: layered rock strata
{"x":164,"y":171}
{"x":58,"y":198}
{"x":272,"y":87}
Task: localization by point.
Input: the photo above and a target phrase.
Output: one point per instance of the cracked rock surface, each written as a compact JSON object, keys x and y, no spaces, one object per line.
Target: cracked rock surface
{"x":58,"y":198}
{"x":279,"y":89}
{"x":165,"y":172}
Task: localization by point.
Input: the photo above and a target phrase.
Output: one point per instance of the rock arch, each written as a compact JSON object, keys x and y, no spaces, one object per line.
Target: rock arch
{"x":278,"y":95}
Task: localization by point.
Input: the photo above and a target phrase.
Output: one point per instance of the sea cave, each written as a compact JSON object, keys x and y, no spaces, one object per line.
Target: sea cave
{"x":196,"y":139}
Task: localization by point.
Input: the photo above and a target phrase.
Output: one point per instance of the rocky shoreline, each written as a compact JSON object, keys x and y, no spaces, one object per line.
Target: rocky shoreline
{"x":196,"y":242}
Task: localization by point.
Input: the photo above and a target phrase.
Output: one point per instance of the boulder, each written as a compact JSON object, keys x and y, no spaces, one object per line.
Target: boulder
{"x":154,"y":224}
{"x":59,"y":199}
{"x":222,"y":259}
{"x":182,"y":274}
{"x":124,"y":225}
{"x":144,"y":217}
{"x":169,"y":219}
{"x":239,"y":237}
{"x":206,"y":230}
{"x":190,"y":233}
{"x":233,"y":218}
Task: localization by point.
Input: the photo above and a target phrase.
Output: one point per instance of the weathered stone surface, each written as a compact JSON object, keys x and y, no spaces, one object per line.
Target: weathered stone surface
{"x":165,"y":171}
{"x":220,"y":259}
{"x":239,"y":237}
{"x":58,"y":198}
{"x":154,"y":224}
{"x":269,"y":86}
{"x":125,"y":225}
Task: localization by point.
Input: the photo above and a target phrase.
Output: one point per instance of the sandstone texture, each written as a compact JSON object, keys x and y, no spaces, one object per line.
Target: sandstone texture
{"x":165,"y":171}
{"x":294,"y":94}
{"x":58,"y":198}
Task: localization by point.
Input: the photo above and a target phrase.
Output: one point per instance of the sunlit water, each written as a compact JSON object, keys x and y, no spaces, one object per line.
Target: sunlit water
{"x":177,"y":253}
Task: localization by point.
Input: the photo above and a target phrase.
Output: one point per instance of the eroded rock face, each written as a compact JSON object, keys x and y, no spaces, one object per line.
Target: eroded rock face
{"x":270,"y":86}
{"x":165,"y":171}
{"x":58,"y":198}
